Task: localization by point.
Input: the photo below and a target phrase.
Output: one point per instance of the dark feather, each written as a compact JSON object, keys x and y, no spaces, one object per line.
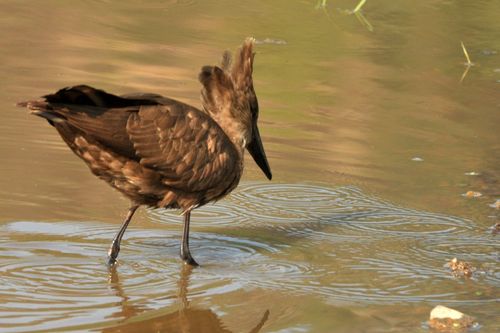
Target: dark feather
{"x":173,"y":142}
{"x":88,"y":96}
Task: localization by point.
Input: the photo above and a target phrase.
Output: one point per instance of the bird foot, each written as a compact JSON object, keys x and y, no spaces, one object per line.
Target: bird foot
{"x":188,"y":259}
{"x":114,"y":249}
{"x":111,"y":261}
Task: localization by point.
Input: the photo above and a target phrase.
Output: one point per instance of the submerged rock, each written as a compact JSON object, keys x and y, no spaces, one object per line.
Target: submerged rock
{"x":472,"y":194}
{"x":461,"y":268}
{"x":445,"y":319}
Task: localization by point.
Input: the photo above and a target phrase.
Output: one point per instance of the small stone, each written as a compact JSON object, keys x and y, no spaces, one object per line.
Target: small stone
{"x":495,"y":229}
{"x":445,"y":319}
{"x":472,"y":173}
{"x":417,"y":159}
{"x":472,"y":194}
{"x":440,"y":312}
{"x":496,"y":204}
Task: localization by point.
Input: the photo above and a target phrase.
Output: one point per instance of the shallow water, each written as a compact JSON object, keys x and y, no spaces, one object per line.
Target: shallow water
{"x":370,"y":127}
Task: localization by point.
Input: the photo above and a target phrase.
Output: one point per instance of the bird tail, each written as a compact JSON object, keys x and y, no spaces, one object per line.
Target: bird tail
{"x":43,"y":109}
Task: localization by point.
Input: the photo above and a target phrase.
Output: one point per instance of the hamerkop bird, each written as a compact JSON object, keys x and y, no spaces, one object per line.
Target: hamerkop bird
{"x":160,"y":152}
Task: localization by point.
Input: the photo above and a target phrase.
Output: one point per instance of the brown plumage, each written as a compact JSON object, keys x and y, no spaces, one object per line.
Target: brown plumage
{"x":161,"y":152}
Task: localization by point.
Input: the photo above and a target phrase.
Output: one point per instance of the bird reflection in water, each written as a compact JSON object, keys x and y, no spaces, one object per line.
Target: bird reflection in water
{"x":186,"y":319}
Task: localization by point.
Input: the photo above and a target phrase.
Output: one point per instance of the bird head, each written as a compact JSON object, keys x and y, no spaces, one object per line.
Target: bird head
{"x":228,"y":96}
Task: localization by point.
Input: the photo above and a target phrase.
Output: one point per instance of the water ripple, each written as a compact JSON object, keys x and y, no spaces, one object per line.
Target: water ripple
{"x":338,"y":244}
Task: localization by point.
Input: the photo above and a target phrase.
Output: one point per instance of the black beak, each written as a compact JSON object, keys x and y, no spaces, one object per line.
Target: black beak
{"x":257,"y":151}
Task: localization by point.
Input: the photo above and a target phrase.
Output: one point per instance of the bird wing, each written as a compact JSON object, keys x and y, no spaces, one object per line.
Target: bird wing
{"x":98,"y":114}
{"x":185,"y":145}
{"x":92,"y":112}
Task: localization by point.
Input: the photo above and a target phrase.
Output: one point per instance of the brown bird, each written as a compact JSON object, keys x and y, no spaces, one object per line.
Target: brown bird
{"x":160,"y":152}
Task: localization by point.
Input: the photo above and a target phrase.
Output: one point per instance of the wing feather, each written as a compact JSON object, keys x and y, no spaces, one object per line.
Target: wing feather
{"x":185,"y":146}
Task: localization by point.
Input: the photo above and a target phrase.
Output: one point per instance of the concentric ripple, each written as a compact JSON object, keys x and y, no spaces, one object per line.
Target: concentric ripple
{"x":54,"y":274}
{"x":219,"y":214}
{"x":346,"y":207}
{"x":348,"y":246}
{"x":335,"y":237}
{"x":337,"y":244}
{"x":287,"y":202}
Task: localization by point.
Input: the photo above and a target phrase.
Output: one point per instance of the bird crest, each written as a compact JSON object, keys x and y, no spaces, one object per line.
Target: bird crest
{"x":230,"y":86}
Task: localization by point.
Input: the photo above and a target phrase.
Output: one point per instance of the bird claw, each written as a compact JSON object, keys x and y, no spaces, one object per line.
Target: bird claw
{"x":114,"y":249}
{"x":111,"y":261}
{"x":188,"y":260}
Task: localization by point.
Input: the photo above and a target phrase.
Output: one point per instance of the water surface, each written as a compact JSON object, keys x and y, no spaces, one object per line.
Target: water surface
{"x":371,"y":129}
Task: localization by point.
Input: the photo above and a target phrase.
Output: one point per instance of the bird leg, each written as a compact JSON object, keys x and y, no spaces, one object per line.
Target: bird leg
{"x":185,"y":253}
{"x":114,"y":249}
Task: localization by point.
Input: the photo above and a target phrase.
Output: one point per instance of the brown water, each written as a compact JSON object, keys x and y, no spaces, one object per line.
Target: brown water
{"x":352,"y":234}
